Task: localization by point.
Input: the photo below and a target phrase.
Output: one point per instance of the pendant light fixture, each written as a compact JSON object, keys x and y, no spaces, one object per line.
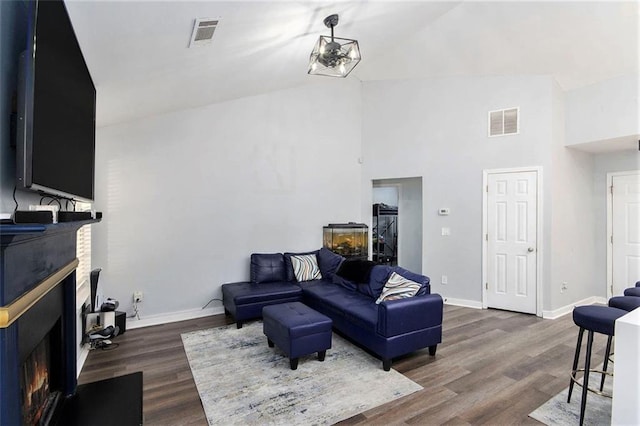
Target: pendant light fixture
{"x":333,"y":56}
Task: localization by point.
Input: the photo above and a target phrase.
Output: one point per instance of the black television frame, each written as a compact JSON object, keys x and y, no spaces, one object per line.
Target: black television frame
{"x":26,"y":145}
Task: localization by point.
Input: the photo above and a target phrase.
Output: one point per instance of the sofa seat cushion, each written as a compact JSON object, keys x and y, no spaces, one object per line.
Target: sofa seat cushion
{"x":321,"y":289}
{"x":245,"y":293}
{"x":350,"y":304}
{"x":364,"y":313}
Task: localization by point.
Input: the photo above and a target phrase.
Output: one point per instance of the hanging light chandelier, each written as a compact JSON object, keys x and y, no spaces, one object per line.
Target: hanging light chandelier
{"x":333,"y":56}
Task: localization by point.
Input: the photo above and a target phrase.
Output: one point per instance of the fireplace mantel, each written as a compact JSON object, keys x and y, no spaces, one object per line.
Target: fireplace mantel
{"x":37,"y":289}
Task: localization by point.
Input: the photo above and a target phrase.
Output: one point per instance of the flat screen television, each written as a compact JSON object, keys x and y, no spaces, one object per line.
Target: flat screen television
{"x":56,"y":108}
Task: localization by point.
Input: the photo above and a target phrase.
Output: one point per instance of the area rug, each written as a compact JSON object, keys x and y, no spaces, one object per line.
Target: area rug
{"x":242,"y":381}
{"x":557,"y":411}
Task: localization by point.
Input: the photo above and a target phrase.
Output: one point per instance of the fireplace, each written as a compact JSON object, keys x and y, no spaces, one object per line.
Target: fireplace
{"x":37,"y":321}
{"x":39,"y":387}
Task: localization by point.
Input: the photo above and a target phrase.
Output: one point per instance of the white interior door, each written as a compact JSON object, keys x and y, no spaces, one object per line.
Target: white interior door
{"x":511,"y":261}
{"x":625,"y":241}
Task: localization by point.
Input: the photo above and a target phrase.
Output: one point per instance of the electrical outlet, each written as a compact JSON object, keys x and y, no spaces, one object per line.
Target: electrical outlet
{"x":444,"y":280}
{"x":137,"y":296}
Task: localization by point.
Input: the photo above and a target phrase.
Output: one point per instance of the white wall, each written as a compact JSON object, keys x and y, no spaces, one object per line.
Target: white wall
{"x":437,"y":129}
{"x":188,"y":196}
{"x":602,"y":111}
{"x":385,"y":194}
{"x":572,"y":229}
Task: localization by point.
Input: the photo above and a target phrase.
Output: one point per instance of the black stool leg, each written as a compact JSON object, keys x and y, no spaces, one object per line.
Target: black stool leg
{"x":575,"y":363}
{"x":585,"y":379}
{"x":606,"y":362}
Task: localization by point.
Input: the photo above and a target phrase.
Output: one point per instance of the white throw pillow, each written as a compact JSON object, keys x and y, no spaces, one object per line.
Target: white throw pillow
{"x":305,"y":267}
{"x":398,"y":287}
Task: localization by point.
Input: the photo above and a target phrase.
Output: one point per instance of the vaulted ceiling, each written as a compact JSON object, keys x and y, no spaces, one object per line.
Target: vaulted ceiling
{"x":138,"y":54}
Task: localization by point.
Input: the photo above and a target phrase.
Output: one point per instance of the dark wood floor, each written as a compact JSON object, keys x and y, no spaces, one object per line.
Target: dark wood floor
{"x":493,"y":367}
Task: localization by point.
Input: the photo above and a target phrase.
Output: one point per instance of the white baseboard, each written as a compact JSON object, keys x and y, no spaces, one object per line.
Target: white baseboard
{"x":557,"y":313}
{"x":462,"y":302}
{"x":169,"y":317}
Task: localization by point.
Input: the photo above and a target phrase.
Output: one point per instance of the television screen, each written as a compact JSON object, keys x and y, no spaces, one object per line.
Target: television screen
{"x":57,"y":104}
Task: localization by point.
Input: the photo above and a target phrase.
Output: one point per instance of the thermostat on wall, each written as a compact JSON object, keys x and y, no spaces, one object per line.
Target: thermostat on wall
{"x":443,"y":211}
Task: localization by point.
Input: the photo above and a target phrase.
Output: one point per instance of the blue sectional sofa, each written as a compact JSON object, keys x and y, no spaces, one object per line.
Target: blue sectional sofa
{"x":388,"y":329}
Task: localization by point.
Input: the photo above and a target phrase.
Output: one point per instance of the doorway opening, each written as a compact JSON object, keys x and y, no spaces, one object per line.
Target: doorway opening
{"x":397,"y":222}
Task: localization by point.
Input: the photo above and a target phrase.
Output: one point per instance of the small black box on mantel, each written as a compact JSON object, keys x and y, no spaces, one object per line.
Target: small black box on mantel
{"x":73,"y":216}
{"x":121,"y":321}
{"x":36,"y":216}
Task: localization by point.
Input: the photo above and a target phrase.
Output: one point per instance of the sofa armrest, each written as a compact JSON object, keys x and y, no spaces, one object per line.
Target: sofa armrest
{"x":406,"y":315}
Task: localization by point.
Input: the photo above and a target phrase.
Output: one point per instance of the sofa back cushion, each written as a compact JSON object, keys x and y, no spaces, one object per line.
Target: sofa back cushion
{"x":329,"y":262}
{"x":267,"y":267}
{"x":343,"y":282}
{"x":377,"y":280}
{"x":420,"y":279}
{"x":380,"y":275}
{"x":398,"y":287}
{"x":288,"y":267}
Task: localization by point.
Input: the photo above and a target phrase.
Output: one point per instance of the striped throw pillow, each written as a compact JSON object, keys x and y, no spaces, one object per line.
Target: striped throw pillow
{"x":305,"y":267}
{"x":398,"y":287}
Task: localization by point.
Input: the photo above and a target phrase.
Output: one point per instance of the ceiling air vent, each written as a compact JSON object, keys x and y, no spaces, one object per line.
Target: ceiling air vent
{"x":504,"y":122}
{"x":203,"y":29}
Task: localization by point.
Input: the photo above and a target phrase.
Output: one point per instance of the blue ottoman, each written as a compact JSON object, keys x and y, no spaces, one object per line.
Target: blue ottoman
{"x":297,"y":330}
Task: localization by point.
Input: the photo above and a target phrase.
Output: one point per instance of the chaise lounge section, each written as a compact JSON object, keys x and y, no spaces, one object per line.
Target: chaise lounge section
{"x":268,"y":286}
{"x":370,"y":306}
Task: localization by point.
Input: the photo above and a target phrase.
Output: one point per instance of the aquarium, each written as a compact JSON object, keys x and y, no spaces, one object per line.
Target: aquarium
{"x":350,"y":240}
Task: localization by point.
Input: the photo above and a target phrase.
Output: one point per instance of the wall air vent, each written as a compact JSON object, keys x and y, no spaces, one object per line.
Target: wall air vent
{"x":504,"y":122}
{"x":203,"y":29}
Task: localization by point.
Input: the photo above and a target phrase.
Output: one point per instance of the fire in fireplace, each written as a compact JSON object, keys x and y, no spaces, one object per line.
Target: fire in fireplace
{"x":38,"y":395}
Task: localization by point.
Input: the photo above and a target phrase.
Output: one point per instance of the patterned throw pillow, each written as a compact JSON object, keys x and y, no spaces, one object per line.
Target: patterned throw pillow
{"x":398,"y":287}
{"x":305,"y":267}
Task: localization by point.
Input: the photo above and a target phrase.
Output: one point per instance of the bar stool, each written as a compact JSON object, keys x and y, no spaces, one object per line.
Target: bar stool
{"x":626,"y":303}
{"x":594,"y":319}
{"x":633,"y":291}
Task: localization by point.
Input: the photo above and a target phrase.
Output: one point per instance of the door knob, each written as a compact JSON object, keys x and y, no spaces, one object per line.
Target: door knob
{"x":530,"y":249}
